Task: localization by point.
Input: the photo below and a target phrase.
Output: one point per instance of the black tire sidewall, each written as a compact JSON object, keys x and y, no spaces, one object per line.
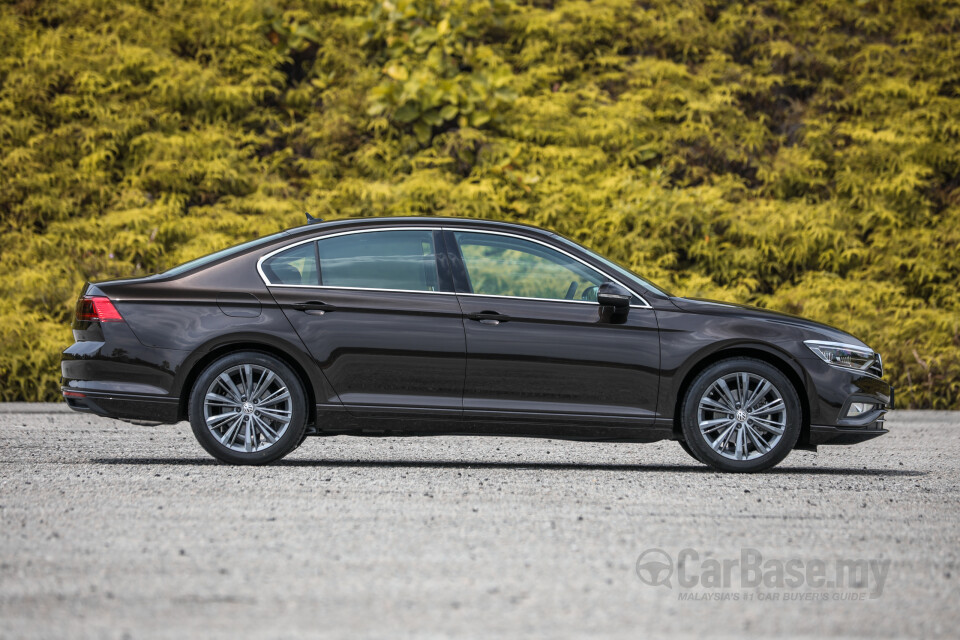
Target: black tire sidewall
{"x":290,"y":439}
{"x":690,"y":424}
{"x":683,"y":445}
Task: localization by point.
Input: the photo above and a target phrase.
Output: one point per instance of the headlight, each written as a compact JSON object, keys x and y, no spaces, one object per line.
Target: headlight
{"x":847,"y":355}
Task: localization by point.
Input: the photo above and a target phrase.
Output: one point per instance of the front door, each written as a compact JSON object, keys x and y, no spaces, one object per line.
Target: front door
{"x":379,"y":317}
{"x":540,"y":344}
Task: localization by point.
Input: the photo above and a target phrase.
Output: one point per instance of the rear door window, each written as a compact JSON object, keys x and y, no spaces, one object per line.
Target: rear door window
{"x":403,"y":260}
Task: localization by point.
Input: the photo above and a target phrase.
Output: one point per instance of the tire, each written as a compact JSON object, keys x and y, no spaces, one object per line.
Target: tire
{"x":220,"y":421}
{"x":741,"y":415}
{"x":686,"y":447}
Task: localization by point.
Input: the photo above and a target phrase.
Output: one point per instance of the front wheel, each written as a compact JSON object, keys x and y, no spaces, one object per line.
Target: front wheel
{"x":686,"y":447}
{"x":248,"y":408}
{"x":741,"y":415}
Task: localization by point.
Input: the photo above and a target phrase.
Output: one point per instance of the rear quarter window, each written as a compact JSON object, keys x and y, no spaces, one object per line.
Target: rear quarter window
{"x":295,"y":266}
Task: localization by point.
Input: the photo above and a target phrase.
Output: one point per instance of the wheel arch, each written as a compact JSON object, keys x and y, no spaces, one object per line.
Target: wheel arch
{"x":197,"y":367}
{"x":747,"y":351}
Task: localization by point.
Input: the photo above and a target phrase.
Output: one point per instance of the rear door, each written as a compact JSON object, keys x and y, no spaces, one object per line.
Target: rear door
{"x":377,"y":310}
{"x":539,"y":344}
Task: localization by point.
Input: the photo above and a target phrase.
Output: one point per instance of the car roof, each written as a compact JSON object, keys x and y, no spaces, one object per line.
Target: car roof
{"x":413,"y":221}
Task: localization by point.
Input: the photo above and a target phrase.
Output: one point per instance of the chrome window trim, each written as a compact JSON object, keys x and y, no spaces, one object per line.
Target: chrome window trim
{"x":327,"y":286}
{"x":490,"y":295}
{"x":266,"y":281}
{"x":645,"y":305}
{"x":266,"y":257}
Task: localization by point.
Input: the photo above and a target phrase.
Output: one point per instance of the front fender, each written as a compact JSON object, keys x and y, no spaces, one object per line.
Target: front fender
{"x":689,"y":342}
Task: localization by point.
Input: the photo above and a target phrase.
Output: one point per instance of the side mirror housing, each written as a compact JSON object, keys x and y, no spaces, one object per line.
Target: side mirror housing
{"x":613,"y":295}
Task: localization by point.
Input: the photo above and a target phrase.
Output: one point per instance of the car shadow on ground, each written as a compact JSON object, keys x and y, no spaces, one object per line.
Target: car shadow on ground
{"x":519,"y":466}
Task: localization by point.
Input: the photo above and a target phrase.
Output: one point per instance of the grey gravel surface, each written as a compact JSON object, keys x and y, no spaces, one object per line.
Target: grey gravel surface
{"x":112,"y":530}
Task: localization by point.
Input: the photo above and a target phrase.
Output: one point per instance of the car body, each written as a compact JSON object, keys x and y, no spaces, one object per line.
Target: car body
{"x":430,"y":326}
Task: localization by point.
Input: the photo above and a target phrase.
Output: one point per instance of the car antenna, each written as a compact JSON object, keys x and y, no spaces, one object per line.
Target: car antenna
{"x":311,"y":219}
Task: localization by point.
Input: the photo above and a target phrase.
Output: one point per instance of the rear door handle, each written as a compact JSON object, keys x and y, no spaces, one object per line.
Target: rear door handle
{"x":314,"y":307}
{"x":489,"y":317}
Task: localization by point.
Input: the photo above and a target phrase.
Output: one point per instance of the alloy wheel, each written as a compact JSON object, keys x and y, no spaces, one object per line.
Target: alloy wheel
{"x":247,"y":408}
{"x":742,"y":416}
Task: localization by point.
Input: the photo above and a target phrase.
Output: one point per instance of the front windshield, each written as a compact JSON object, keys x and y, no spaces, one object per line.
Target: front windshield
{"x":630,"y":276}
{"x":223,"y":253}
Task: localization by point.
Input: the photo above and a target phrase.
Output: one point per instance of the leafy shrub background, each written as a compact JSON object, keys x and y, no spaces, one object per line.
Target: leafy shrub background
{"x":801,"y":156}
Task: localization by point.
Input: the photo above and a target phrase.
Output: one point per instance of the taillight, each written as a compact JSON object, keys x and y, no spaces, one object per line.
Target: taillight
{"x":97,"y":308}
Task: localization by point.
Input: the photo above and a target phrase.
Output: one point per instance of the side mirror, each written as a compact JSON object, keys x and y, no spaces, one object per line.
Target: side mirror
{"x":613,"y":295}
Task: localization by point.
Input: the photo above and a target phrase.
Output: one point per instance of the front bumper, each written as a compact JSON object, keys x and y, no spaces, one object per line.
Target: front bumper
{"x":837,"y":389}
{"x":858,"y":428}
{"x":824,"y":434}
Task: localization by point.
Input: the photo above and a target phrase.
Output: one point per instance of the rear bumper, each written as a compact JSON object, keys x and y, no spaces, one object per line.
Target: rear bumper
{"x":130,"y":407}
{"x":117,"y":377}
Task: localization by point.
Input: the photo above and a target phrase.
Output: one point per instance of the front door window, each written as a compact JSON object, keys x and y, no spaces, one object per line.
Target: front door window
{"x":513,"y":267}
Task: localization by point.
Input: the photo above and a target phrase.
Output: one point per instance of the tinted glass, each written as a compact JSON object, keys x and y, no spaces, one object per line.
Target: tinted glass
{"x":619,"y":269}
{"x":297,"y":265}
{"x":225,"y":253}
{"x":380,"y":260}
{"x":507,"y":266}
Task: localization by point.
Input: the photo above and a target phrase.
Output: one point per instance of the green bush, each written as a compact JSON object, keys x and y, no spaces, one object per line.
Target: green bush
{"x":801,"y":156}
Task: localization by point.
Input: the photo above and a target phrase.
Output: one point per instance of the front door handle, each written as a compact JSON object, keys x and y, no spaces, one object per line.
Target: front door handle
{"x":489,"y":317}
{"x":314,"y":307}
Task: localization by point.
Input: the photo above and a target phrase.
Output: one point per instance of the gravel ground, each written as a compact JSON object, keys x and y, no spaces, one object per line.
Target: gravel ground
{"x":112,"y":530}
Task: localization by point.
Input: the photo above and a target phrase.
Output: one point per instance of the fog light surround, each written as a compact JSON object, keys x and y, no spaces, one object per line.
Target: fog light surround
{"x":859,"y":408}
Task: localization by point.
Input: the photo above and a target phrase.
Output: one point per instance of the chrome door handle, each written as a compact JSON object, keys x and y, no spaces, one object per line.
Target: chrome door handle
{"x":314,"y":307}
{"x":489,"y":317}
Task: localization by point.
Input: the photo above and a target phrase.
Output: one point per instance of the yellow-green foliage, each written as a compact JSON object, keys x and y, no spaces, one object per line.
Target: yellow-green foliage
{"x":802,"y":156}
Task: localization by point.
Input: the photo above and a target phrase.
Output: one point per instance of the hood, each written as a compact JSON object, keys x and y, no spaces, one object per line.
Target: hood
{"x":806,"y":329}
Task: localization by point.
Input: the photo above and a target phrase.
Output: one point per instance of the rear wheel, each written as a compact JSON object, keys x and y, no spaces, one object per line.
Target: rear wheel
{"x":741,"y":415}
{"x":248,"y":408}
